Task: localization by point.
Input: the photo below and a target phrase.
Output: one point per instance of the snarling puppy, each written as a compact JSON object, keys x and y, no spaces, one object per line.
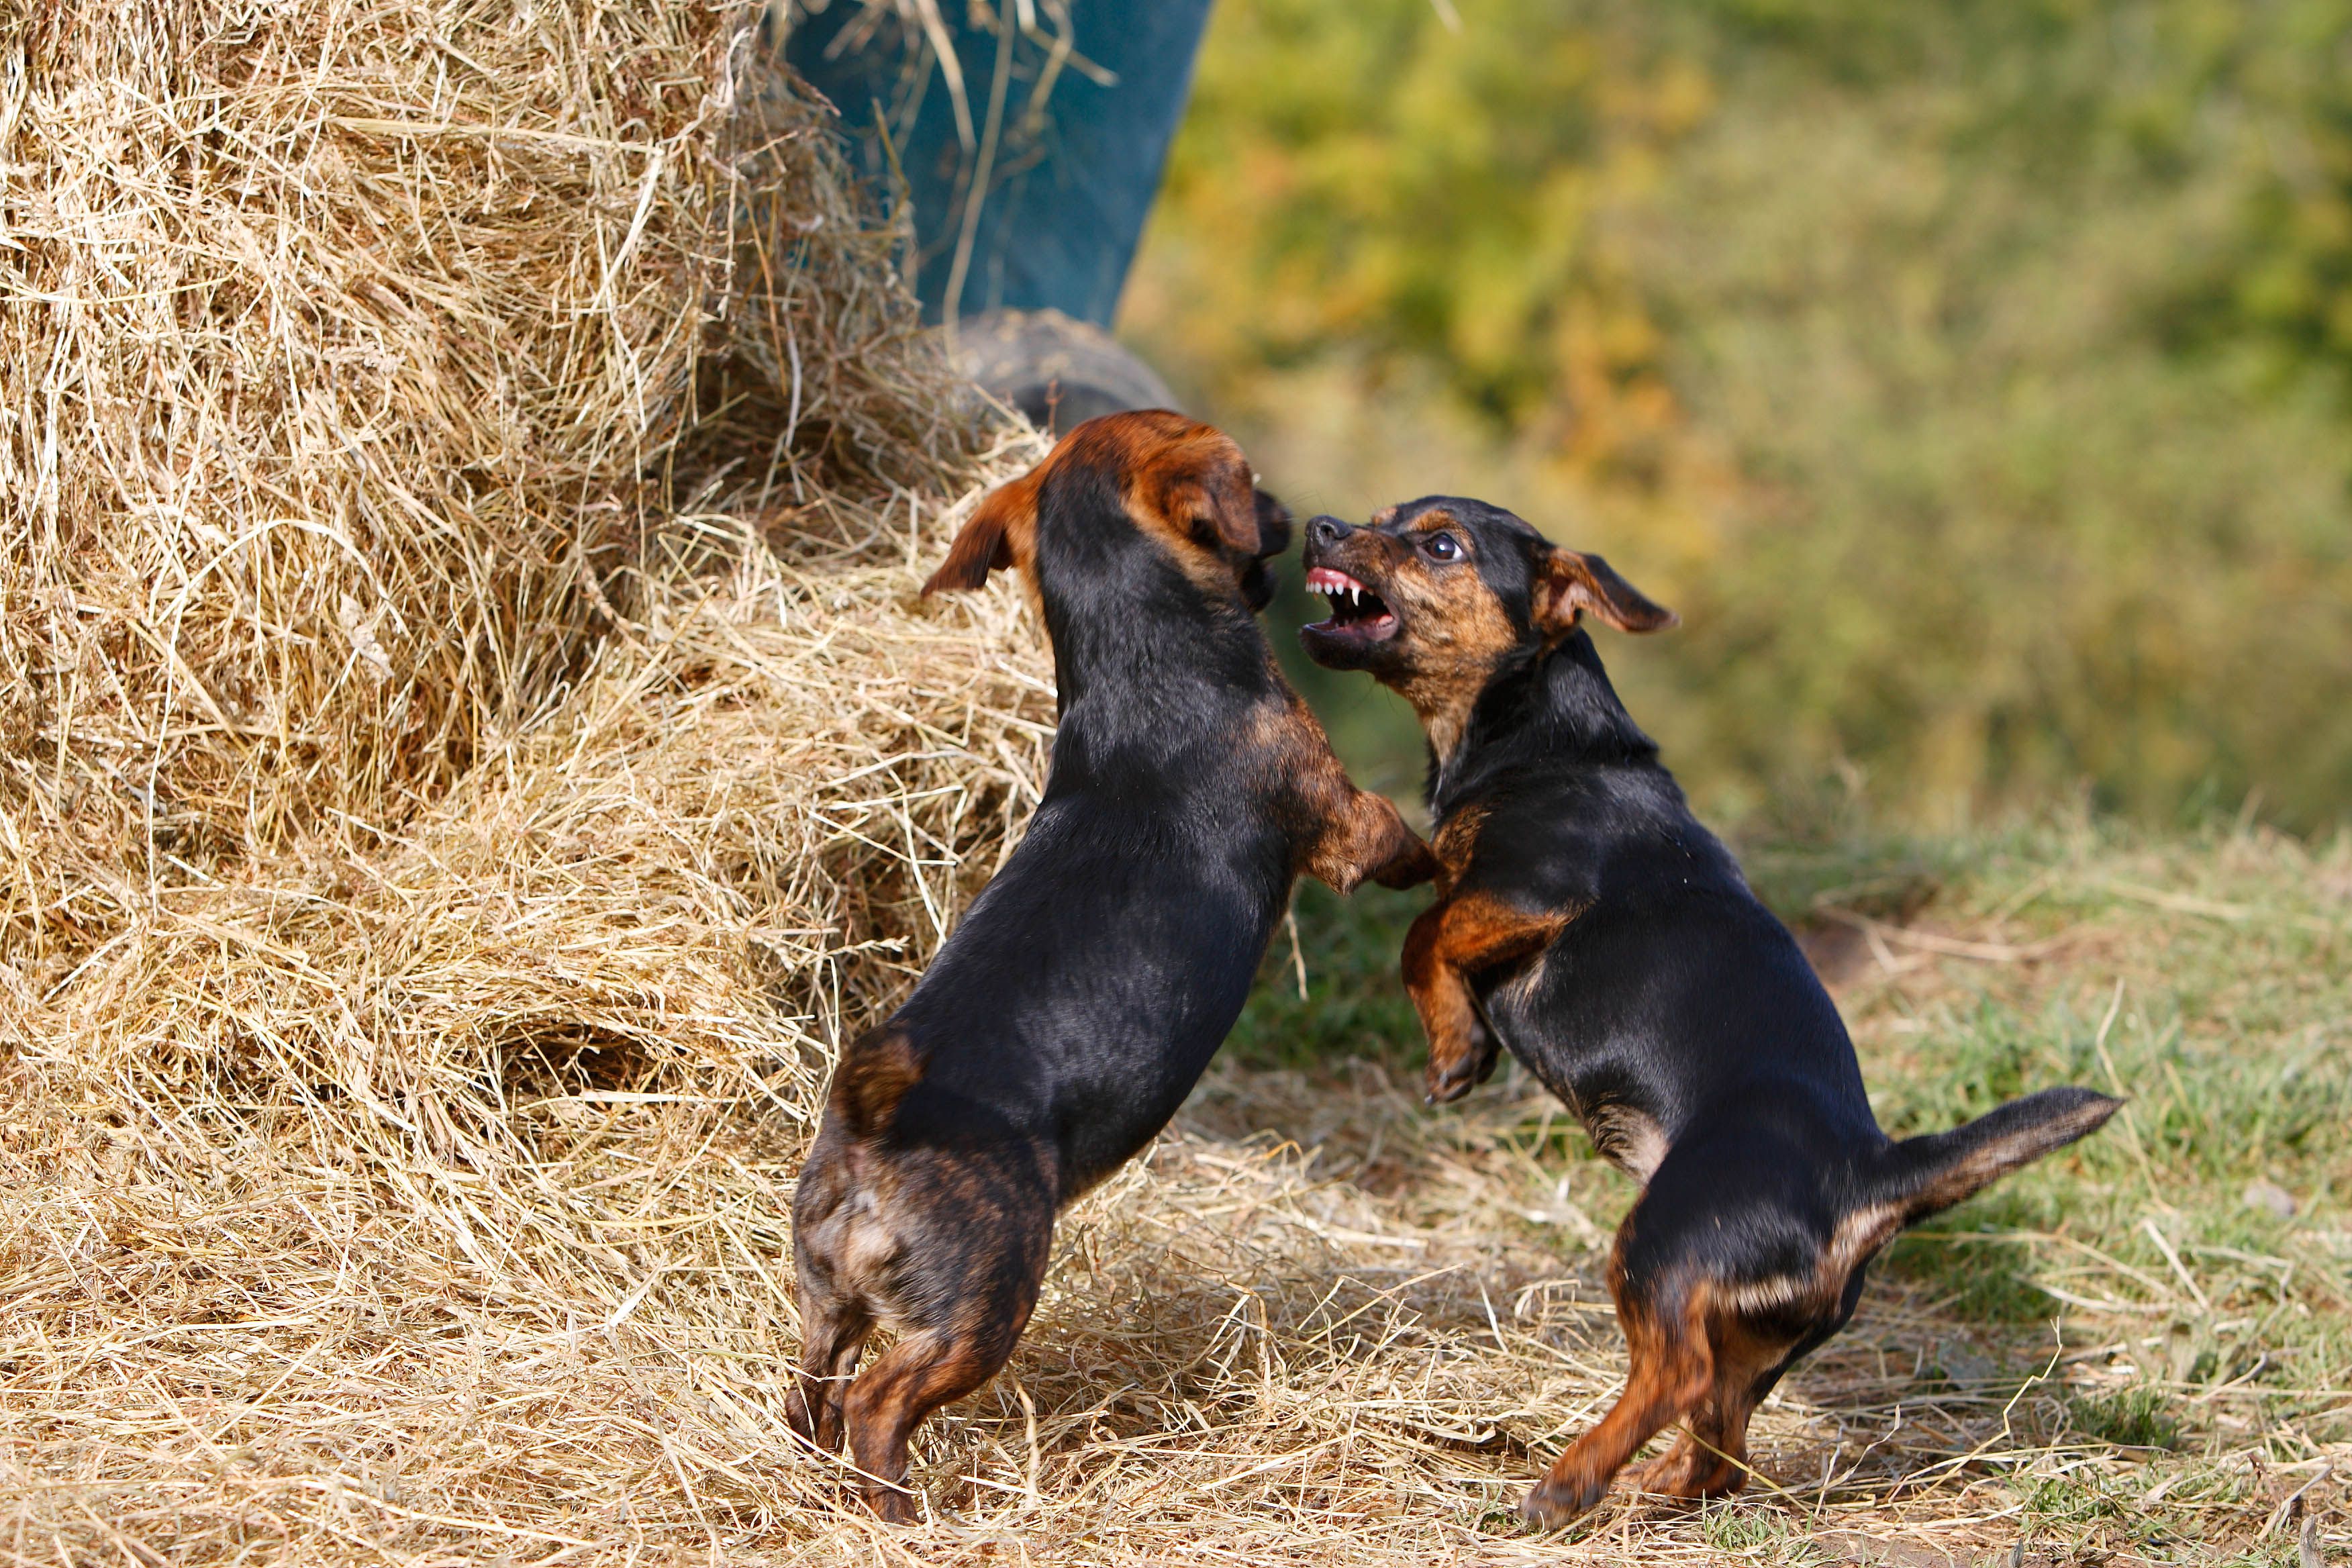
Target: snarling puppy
{"x":1585,"y":920}
{"x":1085,"y":991}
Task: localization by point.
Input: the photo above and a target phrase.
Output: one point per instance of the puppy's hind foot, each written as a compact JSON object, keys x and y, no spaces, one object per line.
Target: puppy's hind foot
{"x":893,"y":1505}
{"x":1691,"y":1472}
{"x":1554,"y":1502}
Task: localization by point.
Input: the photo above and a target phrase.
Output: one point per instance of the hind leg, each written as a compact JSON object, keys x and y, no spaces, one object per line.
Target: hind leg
{"x":973,"y":1242}
{"x":832,"y":1255}
{"x":1719,"y":1286}
{"x":1666,"y":1331}
{"x":1754,"y":1343}
{"x":1710,"y":1457}
{"x":946,"y":1249}
{"x":906,"y":1383}
{"x":833,"y":1331}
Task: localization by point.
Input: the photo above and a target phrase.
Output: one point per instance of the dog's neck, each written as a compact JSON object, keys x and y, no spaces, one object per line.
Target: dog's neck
{"x":1144,"y":655}
{"x":1444,"y":707}
{"x":1553,"y":704}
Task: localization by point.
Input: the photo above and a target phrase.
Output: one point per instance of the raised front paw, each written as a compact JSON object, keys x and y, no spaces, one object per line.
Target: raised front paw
{"x":1453,"y":1073}
{"x":1408,"y":868}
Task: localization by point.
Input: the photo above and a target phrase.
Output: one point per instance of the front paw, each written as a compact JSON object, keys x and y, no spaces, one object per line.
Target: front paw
{"x":1415,"y":865}
{"x":1445,"y":1087}
{"x":1457,"y":1073}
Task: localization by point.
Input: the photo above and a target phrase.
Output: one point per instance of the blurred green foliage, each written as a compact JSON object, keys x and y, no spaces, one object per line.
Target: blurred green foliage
{"x":1970,"y":373}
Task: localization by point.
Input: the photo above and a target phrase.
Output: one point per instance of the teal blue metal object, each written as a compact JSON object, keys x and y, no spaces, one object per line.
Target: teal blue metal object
{"x":1063,"y":123}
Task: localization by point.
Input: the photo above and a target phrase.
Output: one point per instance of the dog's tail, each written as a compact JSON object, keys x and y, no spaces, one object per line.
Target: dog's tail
{"x":875,"y":1075}
{"x":1926,"y":1175}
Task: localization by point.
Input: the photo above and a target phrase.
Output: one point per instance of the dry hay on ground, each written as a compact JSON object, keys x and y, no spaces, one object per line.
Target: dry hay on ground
{"x":484,"y":1130}
{"x":1350,"y":1341}
{"x":444,"y":840}
{"x":427,"y":802}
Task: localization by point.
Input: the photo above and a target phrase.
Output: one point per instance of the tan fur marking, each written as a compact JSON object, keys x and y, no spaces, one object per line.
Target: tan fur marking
{"x":1568,"y":582}
{"x":1199,"y":488}
{"x":1857,"y":1239}
{"x":1986,"y":1164}
{"x":1709,"y":1459}
{"x":1458,"y":629}
{"x":875,"y":1074}
{"x":1347,"y":834}
{"x":1463,"y":935}
{"x":1455,"y":842}
{"x":1672,"y":1369}
{"x":1001,"y":532}
{"x":1184,"y":484}
{"x":1706,"y":1365}
{"x":1628,"y":1139}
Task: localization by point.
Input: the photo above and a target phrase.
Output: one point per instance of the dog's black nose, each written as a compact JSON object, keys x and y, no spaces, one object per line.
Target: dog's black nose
{"x":1327,"y":530}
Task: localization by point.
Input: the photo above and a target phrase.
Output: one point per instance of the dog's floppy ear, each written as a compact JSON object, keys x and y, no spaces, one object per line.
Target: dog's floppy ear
{"x":1226,"y":502}
{"x":1568,"y":584}
{"x":999,"y":532}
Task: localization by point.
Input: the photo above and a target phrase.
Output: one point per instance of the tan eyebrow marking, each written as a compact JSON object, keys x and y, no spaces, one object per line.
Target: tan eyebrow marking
{"x":1438,"y":522}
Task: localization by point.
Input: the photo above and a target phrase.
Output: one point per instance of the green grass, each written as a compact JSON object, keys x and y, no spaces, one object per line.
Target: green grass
{"x":2207,"y":977}
{"x":2128,"y":1419}
{"x":1985,"y":1277}
{"x":2068,"y":1504}
{"x":1355,"y":1005}
{"x":1743,"y":1531}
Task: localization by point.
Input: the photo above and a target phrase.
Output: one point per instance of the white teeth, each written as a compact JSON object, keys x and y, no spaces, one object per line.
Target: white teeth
{"x":1323,"y":579}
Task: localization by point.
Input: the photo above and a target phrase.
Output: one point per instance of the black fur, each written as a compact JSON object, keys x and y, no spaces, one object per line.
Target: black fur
{"x":1083,"y":992}
{"x":1669,"y":1002}
{"x":1085,"y":989}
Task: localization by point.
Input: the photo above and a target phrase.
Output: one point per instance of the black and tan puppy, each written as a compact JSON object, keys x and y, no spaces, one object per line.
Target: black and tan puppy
{"x":1586,"y":921}
{"x":1085,"y":991}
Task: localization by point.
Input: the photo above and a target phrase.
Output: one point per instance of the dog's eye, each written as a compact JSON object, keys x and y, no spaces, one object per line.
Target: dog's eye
{"x":1442,"y":547}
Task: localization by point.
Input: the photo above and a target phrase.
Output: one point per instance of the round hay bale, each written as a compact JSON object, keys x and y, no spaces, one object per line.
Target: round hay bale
{"x":468,"y":750}
{"x":348,"y":354}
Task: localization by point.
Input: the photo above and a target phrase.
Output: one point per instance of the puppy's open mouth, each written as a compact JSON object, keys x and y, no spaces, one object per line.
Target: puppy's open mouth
{"x":1356,"y":610}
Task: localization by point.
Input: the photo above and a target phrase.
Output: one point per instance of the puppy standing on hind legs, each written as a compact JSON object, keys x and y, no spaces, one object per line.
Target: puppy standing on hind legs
{"x":1586,"y":921}
{"x":1085,"y":991}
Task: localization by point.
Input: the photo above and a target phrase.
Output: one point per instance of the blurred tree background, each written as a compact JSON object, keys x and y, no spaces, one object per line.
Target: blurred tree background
{"x":1972,"y":374}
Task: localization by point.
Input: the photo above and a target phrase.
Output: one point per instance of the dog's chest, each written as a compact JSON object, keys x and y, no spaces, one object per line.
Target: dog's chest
{"x":1457,"y":836}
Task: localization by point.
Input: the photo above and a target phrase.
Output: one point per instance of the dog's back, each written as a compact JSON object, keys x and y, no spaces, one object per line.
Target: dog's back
{"x":1090,"y":983}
